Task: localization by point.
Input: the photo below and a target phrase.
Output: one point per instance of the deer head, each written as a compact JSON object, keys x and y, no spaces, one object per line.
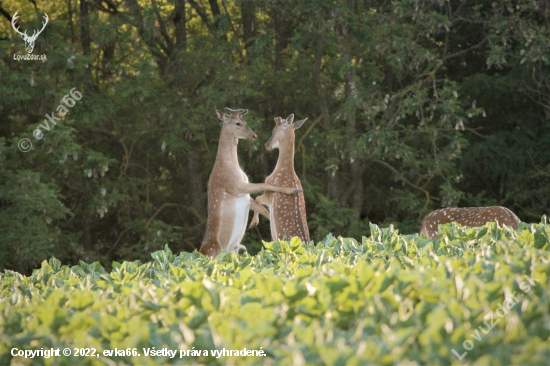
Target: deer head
{"x":283,"y":132}
{"x":234,"y":123}
{"x":29,"y":40}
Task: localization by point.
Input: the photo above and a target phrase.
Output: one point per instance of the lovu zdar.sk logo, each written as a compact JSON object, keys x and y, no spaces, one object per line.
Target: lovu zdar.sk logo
{"x":29,"y":40}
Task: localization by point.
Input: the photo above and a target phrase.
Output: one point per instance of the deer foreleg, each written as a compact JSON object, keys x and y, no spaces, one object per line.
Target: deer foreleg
{"x":258,"y":209}
{"x":249,"y":188}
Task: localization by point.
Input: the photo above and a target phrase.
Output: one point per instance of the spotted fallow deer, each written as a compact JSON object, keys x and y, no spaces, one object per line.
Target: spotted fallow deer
{"x":467,"y":216}
{"x":287,"y":214}
{"x":229,"y":190}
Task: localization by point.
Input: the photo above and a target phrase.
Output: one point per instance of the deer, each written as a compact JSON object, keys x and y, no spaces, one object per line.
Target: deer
{"x":467,"y":216}
{"x":229,"y":190}
{"x":29,"y":40}
{"x":287,"y":214}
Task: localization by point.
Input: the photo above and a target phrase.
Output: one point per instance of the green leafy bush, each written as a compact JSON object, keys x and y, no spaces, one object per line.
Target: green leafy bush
{"x":391,"y":299}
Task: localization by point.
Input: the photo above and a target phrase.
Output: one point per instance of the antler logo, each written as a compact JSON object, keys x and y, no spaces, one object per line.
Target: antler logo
{"x":29,"y":40}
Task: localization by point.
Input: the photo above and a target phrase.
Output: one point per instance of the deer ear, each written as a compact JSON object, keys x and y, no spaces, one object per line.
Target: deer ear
{"x":298,"y":124}
{"x":290,"y":119}
{"x":245,"y":111}
{"x":278,"y":120}
{"x":222,"y":116}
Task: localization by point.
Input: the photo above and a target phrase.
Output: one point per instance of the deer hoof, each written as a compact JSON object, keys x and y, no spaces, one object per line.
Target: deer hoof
{"x":254,"y":222}
{"x":297,"y":191}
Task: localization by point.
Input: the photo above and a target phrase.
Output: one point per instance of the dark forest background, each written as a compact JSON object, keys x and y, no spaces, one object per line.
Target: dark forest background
{"x":412,"y":106}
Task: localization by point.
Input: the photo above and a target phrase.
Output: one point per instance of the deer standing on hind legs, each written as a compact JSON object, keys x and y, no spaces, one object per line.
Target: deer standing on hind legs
{"x":229,"y":191}
{"x":287,"y":214}
{"x":467,"y":216}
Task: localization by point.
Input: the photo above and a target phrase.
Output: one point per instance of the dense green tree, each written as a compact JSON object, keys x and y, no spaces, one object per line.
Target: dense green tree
{"x":412,"y":106}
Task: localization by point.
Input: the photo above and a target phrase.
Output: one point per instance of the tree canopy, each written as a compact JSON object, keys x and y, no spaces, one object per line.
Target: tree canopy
{"x":412,"y":106}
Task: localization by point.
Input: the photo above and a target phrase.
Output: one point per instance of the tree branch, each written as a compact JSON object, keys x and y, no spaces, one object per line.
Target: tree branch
{"x":455,"y":55}
{"x":191,"y":209}
{"x":163,"y":27}
{"x":202,"y":14}
{"x":7,"y":15}
{"x":151,"y":42}
{"x":408,"y":182}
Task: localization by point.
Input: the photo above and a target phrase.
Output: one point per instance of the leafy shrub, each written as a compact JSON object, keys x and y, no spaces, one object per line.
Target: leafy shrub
{"x":391,"y":298}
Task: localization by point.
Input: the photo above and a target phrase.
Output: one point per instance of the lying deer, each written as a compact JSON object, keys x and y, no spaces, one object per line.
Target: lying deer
{"x":287,"y":213}
{"x":467,"y":216}
{"x":229,"y":191}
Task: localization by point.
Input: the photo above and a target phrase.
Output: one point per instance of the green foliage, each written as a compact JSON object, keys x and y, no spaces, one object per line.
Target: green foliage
{"x":412,"y":106}
{"x":28,"y":225}
{"x":387,"y":299}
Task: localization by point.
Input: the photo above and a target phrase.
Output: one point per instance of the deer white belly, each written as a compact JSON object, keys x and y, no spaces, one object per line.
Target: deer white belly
{"x":241,"y":208}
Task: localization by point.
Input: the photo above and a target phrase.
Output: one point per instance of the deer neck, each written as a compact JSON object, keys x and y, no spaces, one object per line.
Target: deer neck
{"x":227,"y":149}
{"x":286,"y":155}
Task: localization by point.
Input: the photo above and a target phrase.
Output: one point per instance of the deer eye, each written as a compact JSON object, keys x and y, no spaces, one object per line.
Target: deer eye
{"x":238,"y":124}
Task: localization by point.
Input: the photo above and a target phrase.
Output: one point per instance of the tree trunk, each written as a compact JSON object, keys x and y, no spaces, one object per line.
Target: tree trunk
{"x":280,"y":42}
{"x":216,"y":15}
{"x":248,"y":19}
{"x":85,"y":38}
{"x":355,"y":167}
{"x":86,"y":231}
{"x":180,"y":23}
{"x":195,"y":183}
{"x":331,"y":187}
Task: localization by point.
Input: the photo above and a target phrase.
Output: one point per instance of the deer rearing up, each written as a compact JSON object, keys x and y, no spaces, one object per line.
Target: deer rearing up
{"x":229,"y":191}
{"x":29,"y":40}
{"x":467,"y":216}
{"x":287,"y":213}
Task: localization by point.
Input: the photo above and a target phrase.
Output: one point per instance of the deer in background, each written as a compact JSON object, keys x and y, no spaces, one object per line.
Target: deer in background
{"x":467,"y":216}
{"x":229,"y":191}
{"x":287,"y":214}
